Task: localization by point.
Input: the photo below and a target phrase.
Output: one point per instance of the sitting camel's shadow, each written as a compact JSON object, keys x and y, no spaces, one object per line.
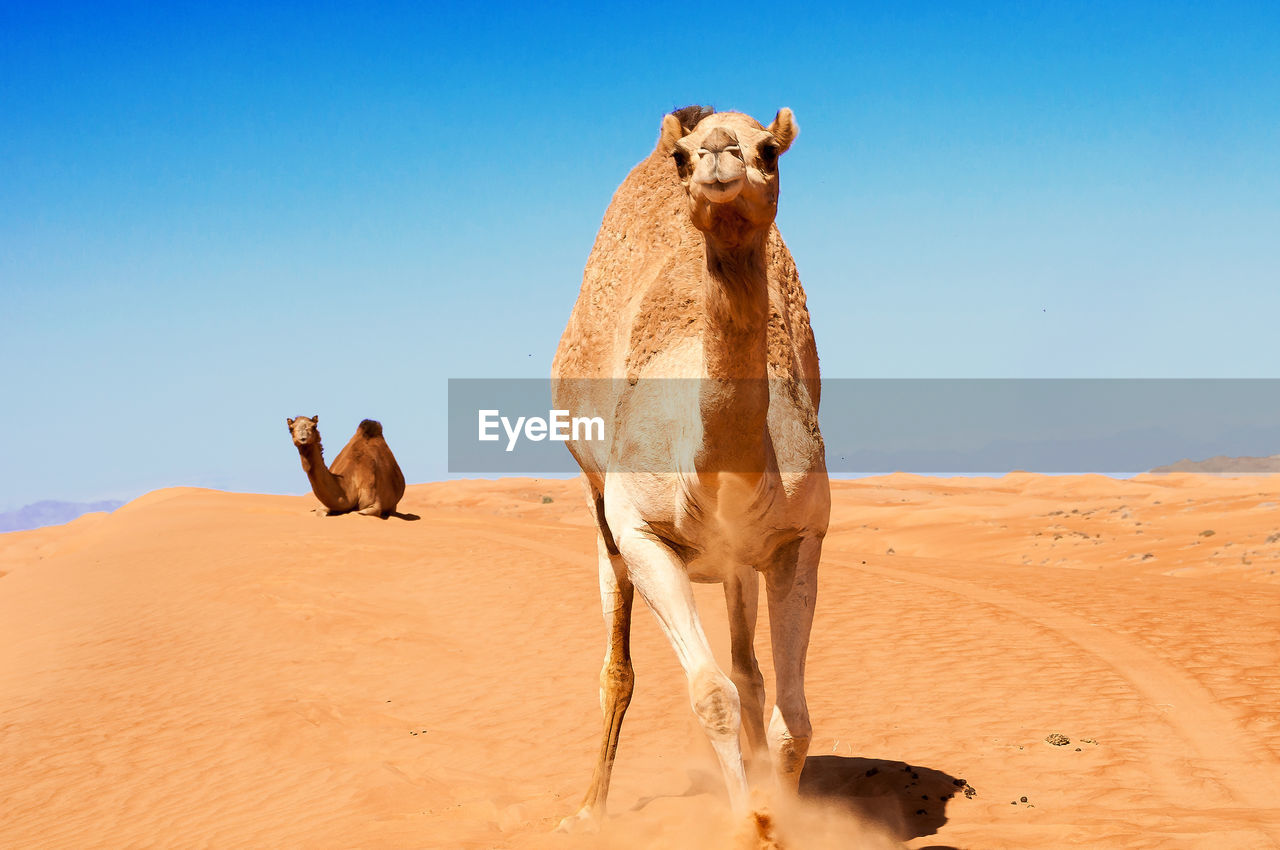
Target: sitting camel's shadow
{"x":911,"y":801}
{"x":324,"y":514}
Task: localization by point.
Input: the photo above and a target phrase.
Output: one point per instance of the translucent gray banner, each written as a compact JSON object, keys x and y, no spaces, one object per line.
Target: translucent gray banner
{"x":943,"y":426}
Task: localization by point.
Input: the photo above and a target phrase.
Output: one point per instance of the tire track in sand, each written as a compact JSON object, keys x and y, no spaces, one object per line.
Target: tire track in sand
{"x":1243,"y":767}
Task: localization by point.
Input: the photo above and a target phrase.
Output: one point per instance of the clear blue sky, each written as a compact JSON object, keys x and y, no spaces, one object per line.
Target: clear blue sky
{"x":211,"y":220}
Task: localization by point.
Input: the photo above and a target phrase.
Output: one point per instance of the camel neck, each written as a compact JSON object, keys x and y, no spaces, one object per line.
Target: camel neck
{"x":737,"y":304}
{"x":324,"y":484}
{"x":312,"y":456}
{"x":735,"y":393}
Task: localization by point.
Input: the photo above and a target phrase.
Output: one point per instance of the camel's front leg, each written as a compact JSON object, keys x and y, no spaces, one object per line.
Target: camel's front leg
{"x":742,"y":599}
{"x":616,"y":681}
{"x":663,"y":583}
{"x":793,"y":593}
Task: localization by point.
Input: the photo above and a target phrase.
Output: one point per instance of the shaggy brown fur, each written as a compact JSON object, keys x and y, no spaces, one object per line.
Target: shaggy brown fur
{"x":690,"y":115}
{"x":365,"y":476}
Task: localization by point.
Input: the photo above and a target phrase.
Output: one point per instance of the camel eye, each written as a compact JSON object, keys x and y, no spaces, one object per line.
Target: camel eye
{"x":682,"y":161}
{"x":768,"y":156}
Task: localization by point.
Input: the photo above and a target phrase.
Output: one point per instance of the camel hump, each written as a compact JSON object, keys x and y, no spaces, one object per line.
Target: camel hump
{"x":370,"y":428}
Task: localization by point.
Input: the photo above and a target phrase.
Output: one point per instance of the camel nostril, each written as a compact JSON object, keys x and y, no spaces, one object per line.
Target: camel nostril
{"x":729,"y":169}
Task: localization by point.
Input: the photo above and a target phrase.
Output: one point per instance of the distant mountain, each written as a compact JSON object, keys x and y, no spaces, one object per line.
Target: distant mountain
{"x":1224,"y":464}
{"x":50,"y":513}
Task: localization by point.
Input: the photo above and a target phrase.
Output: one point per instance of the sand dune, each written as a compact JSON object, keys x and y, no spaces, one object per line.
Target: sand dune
{"x":207,"y":669}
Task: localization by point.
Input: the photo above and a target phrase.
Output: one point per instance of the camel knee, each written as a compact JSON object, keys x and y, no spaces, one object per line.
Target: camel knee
{"x":617,"y":682}
{"x":791,"y":720}
{"x":715,"y":702}
{"x":789,"y":736}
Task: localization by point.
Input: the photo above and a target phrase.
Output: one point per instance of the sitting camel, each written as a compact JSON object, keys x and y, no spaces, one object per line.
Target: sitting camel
{"x":364,"y":478}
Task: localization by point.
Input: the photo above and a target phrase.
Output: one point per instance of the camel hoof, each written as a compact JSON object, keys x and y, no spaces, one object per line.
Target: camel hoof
{"x":765,"y":837}
{"x":580,"y":822}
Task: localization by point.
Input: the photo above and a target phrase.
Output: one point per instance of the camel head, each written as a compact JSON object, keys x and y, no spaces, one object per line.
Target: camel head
{"x":728,"y":165}
{"x":304,"y":430}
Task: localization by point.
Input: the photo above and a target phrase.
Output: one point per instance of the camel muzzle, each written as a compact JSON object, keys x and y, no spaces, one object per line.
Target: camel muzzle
{"x":721,"y":171}
{"x":720,"y":176}
{"x":722,"y":193}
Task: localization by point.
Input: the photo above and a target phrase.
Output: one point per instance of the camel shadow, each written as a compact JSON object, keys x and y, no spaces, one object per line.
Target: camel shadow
{"x":909,"y":800}
{"x":324,"y":514}
{"x":405,"y":517}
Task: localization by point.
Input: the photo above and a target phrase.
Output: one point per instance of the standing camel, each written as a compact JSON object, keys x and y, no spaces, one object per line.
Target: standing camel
{"x":691,"y":338}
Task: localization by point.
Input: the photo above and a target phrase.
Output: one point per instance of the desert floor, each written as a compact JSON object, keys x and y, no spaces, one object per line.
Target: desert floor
{"x":208,"y":669}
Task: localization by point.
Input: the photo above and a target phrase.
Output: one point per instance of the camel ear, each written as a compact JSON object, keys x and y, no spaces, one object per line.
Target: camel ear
{"x":290,"y":421}
{"x":316,"y":418}
{"x":672,"y":132}
{"x":784,"y":129}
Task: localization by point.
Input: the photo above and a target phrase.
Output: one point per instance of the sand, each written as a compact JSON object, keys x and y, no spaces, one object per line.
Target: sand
{"x":208,"y":669}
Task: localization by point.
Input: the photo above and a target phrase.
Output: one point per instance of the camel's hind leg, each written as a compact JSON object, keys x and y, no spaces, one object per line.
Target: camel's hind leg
{"x":616,"y":679}
{"x":742,"y":598}
{"x":792,"y":590}
{"x":662,"y":581}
